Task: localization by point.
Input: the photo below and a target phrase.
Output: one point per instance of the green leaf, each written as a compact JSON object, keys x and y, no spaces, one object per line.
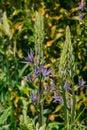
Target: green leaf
{"x":5,"y":127}
{"x":42,"y":127}
{"x":23,"y":69}
{"x":28,"y":125}
{"x":6,"y":27}
{"x":5,"y":115}
{"x":54,"y":125}
{"x":31,"y":38}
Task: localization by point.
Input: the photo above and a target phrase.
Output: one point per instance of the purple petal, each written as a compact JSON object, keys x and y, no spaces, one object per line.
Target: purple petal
{"x":37,"y":71}
{"x":57,"y":98}
{"x":33,"y":97}
{"x":82,"y":5}
{"x":30,"y":78}
{"x":48,"y":72}
{"x":30,"y":58}
{"x":67,"y":86}
{"x":80,"y":16}
{"x":81,"y":82}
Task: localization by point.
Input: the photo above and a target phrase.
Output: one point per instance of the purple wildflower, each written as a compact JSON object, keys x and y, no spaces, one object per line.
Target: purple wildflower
{"x":45,"y":72}
{"x":30,"y":58}
{"x":67,"y":86}
{"x":81,"y":82}
{"x":80,"y":15}
{"x":37,"y":71}
{"x":82,"y":5}
{"x":42,"y":70}
{"x":33,"y":97}
{"x":30,"y":78}
{"x":58,"y":98}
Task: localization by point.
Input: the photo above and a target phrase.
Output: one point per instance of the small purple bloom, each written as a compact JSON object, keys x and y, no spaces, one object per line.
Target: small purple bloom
{"x":37,"y":71}
{"x":46,"y":72}
{"x":33,"y":97}
{"x":81,"y":82}
{"x":58,"y":98}
{"x":80,"y":15}
{"x":30,"y":58}
{"x":42,"y":70}
{"x":67,"y":86}
{"x":82,"y":5}
{"x":30,"y":78}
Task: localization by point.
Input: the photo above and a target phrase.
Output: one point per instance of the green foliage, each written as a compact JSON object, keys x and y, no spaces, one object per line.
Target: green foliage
{"x":54,"y":126}
{"x":5,"y":26}
{"x":5,"y":127}
{"x":6,"y":113}
{"x":29,"y":125}
{"x":17,"y":36}
{"x":40,"y":128}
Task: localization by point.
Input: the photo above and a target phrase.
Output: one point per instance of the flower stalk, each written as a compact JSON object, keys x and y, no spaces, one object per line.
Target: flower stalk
{"x":66,"y":71}
{"x":40,"y":103}
{"x":39,"y":38}
{"x":73,"y":103}
{"x":66,"y":116}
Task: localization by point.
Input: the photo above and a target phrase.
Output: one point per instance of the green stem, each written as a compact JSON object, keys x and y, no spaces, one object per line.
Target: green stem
{"x":73,"y":103}
{"x":66,"y":122}
{"x":40,"y":104}
{"x":24,"y":111}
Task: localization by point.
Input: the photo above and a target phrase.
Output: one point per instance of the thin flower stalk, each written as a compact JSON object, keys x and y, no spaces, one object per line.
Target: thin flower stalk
{"x":66,"y":71}
{"x":66,"y":116}
{"x":39,"y":38}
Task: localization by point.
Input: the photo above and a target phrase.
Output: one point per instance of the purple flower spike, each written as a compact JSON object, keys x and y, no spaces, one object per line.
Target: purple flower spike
{"x":58,"y":99}
{"x":33,"y":97}
{"x":30,"y":58}
{"x":82,"y":5}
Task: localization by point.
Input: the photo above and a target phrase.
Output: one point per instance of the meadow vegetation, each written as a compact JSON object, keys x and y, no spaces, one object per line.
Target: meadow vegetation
{"x":43,"y":65}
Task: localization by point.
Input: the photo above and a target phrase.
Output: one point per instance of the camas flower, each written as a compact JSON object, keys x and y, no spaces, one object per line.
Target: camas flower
{"x":33,"y":97}
{"x":67,"y":86}
{"x":58,"y":99}
{"x":82,"y":5}
{"x":37,"y":71}
{"x":81,"y":82}
{"x":30,"y":58}
{"x":30,"y":78}
{"x":80,"y":15}
{"x":42,"y":71}
{"x":45,"y":72}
